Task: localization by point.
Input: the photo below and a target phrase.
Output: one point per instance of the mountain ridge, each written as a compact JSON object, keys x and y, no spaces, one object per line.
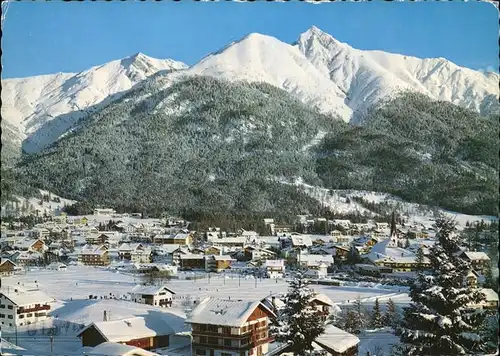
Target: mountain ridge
{"x":324,"y":73}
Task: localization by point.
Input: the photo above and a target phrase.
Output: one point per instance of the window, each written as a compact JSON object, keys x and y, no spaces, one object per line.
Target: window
{"x":2,"y":315}
{"x":227,"y":342}
{"x":10,"y":316}
{"x":21,"y":316}
{"x":225,"y":354}
{"x":10,"y":306}
{"x":29,"y":315}
{"x":2,"y":306}
{"x":200,"y":352}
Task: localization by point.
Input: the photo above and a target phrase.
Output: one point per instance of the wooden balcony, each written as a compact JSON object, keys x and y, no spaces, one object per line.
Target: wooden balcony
{"x":243,"y":347}
{"x":34,"y":309}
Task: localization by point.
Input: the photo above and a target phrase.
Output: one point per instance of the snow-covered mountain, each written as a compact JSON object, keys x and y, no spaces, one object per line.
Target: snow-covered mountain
{"x":260,"y":58}
{"x":370,"y":76}
{"x":46,"y":106}
{"x":319,"y":70}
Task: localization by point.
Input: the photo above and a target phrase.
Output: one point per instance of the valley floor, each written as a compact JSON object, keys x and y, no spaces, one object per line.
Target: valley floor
{"x":73,"y":287}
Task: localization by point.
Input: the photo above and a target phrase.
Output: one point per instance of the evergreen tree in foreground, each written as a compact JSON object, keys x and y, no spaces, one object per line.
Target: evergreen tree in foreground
{"x":439,"y":321}
{"x":377,"y":321}
{"x":298,"y":322}
{"x":391,"y":316}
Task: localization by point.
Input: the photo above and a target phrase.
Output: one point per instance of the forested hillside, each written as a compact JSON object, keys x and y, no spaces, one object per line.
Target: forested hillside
{"x":425,"y":151}
{"x":201,"y":143}
{"x":209,"y":146}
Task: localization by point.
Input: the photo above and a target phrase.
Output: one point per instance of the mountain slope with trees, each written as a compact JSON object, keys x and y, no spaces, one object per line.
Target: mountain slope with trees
{"x":424,"y":151}
{"x":202,"y":143}
{"x":207,"y":145}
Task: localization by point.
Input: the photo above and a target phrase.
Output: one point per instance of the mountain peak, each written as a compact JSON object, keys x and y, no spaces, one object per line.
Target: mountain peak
{"x":316,"y":35}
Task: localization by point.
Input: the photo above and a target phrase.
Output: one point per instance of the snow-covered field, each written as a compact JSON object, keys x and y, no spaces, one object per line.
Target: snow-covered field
{"x":72,"y":288}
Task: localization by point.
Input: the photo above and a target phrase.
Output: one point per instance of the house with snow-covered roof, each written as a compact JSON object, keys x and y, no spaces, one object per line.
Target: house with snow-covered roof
{"x":116,"y":349}
{"x":312,"y":261}
{"x":152,"y":295}
{"x":7,"y":267}
{"x":134,"y":252}
{"x":337,"y":342}
{"x":491,"y":299}
{"x":218,"y":263}
{"x":275,"y":268}
{"x":147,"y":332}
{"x":230,"y":327}
{"x":399,"y":259}
{"x":479,"y":260}
{"x":94,"y":255}
{"x":19,"y":307}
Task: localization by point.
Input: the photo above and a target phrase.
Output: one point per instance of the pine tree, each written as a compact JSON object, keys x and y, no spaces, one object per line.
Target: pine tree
{"x":298,"y":322}
{"x":376,"y":320}
{"x":490,"y":281}
{"x":391,"y":316}
{"x":351,"y":322}
{"x":419,"y":259}
{"x":439,"y":320}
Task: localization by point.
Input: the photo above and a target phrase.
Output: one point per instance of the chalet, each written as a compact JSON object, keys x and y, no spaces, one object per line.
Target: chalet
{"x":97,"y":239}
{"x":218,"y":263}
{"x":301,"y":241}
{"x":250,"y":253}
{"x":57,"y":266}
{"x":479,"y":260}
{"x":232,"y":241}
{"x":40,"y":233}
{"x":230,"y":327}
{"x":94,"y":256}
{"x":317,"y":271}
{"x":345,"y":224}
{"x":36,"y":245}
{"x":398,"y":259}
{"x":192,"y":261}
{"x":275,"y":268}
{"x":212,"y":250}
{"x":336,"y":233}
{"x":176,"y":239}
{"x":337,"y":342}
{"x":178,"y":252}
{"x":18,"y":308}
{"x":308,"y":260}
{"x":135,"y":252}
{"x":7,"y":267}
{"x":104,"y":211}
{"x":152,"y":295}
{"x":323,"y":304}
{"x":27,"y":258}
{"x":147,"y":332}
{"x":344,"y":240}
{"x":340,"y":253}
{"x":491,"y":301}
{"x":472,"y":279}
{"x":117,"y":349}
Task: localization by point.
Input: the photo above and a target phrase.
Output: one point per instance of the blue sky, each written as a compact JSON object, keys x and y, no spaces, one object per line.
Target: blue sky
{"x":49,"y":37}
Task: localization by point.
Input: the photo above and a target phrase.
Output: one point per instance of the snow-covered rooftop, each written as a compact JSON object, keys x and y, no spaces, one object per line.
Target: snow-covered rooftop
{"x":215,"y":311}
{"x":23,"y":298}
{"x":116,"y":349}
{"x":337,"y":339}
{"x":139,"y":327}
{"x":475,"y":256}
{"x":150,"y":290}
